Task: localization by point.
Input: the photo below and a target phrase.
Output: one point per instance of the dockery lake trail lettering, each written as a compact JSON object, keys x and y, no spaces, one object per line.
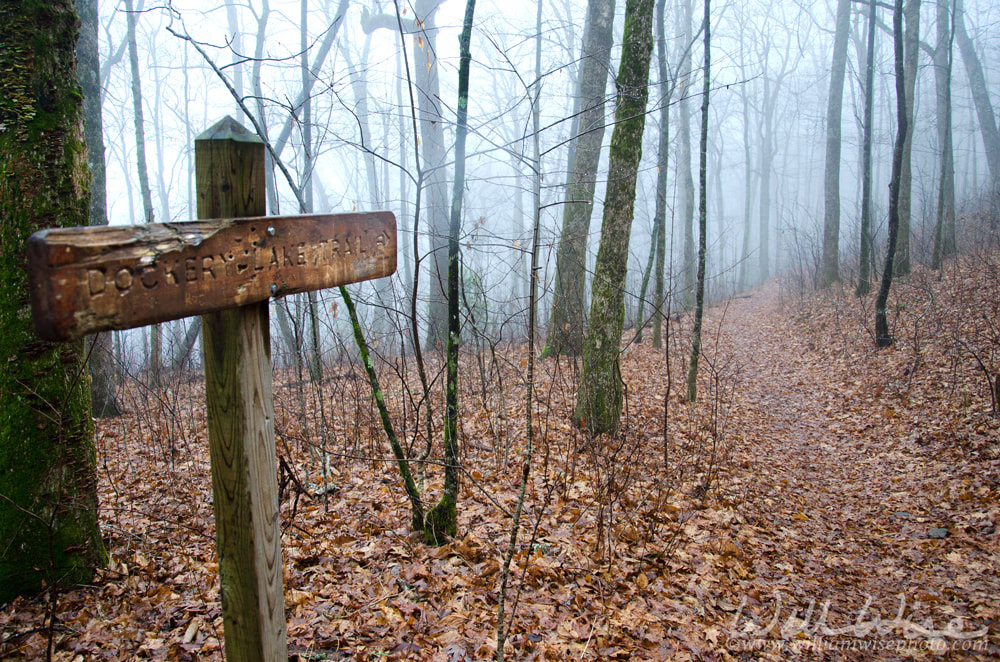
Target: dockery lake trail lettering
{"x":85,"y":280}
{"x":248,"y":257}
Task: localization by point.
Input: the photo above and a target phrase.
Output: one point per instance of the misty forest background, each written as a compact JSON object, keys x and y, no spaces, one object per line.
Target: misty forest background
{"x":330,"y":90}
{"x":640,"y":387}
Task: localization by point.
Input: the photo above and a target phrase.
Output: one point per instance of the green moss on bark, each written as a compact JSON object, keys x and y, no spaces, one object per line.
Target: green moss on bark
{"x":416,"y":506}
{"x":48,"y":490}
{"x":440,"y":524}
{"x":599,"y":398}
{"x":568,"y":301}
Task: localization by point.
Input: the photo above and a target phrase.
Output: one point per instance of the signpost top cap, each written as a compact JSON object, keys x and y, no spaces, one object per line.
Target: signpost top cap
{"x":229,"y":129}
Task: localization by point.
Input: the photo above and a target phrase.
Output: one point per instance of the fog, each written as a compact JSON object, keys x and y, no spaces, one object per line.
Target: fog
{"x":354,"y":145}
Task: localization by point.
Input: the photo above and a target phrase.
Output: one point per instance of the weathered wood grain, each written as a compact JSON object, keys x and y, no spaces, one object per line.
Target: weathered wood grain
{"x":240,"y":401}
{"x":85,"y":280}
{"x":240,"y":404}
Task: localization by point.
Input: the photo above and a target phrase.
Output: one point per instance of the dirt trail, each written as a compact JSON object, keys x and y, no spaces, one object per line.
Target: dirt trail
{"x":848,"y":509}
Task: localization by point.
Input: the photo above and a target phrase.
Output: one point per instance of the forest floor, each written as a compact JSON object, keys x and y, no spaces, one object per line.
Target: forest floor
{"x":821,"y":500}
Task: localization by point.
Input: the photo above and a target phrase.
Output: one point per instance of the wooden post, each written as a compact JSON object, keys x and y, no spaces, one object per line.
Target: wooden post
{"x":229,"y":167}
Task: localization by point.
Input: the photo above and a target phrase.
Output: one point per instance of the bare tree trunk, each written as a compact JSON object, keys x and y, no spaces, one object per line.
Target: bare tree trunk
{"x":359,"y":85}
{"x":433,"y":153}
{"x":236,"y":46}
{"x":163,"y":194}
{"x":599,"y":398}
{"x":883,"y":338}
{"x":404,"y":196}
{"x":911,"y":45}
{"x":944,"y":229}
{"x":747,"y":190}
{"x":663,"y":164}
{"x":684,"y":160}
{"x":984,"y":109}
{"x":155,"y":331}
{"x":522,"y":288}
{"x":831,"y":218}
{"x":767,"y":151}
{"x":864,"y":263}
{"x":503,"y":625}
{"x":640,"y":317}
{"x":140,"y":131}
{"x":566,"y":327}
{"x":699,"y":304}
{"x":103,"y":399}
{"x":306,"y":204}
{"x":187,"y":345}
{"x":258,"y":94}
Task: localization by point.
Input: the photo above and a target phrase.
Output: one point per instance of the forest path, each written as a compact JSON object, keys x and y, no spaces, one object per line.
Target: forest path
{"x":848,"y":506}
{"x":823,"y":484}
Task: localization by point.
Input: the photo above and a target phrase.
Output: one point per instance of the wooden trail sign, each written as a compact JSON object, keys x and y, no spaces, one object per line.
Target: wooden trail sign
{"x":85,"y":280}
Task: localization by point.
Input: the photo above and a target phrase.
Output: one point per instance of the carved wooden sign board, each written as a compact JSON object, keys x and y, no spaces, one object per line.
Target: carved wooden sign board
{"x":85,"y":280}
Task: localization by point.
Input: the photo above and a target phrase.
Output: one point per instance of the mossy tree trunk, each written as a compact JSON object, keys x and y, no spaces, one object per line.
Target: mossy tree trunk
{"x":442,"y":520}
{"x":599,"y":398}
{"x":102,"y":366}
{"x":48,"y":481}
{"x":412,"y":492}
{"x":566,"y":328}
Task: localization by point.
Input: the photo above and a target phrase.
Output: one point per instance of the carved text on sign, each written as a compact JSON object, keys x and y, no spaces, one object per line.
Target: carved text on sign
{"x":247,"y":258}
{"x":87,"y":280}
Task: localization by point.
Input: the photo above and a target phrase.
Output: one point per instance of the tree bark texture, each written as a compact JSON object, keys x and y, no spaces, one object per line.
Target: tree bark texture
{"x":830,"y":273}
{"x":155,"y":331}
{"x":103,"y":399}
{"x":984,"y":107}
{"x":599,"y":398}
{"x":567,"y":324}
{"x":684,"y":177}
{"x":911,"y":52}
{"x":48,"y":480}
{"x":944,"y":229}
{"x":433,"y":154}
{"x":883,"y":338}
{"x":663,"y":165}
{"x":441,"y":521}
{"x":768,"y":148}
{"x":699,"y":302}
{"x":864,"y":259}
{"x":747,"y":190}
